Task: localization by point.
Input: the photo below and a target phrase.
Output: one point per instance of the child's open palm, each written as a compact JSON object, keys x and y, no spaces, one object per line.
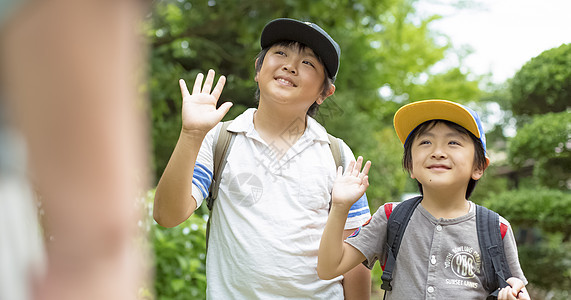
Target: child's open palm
{"x":351,"y":185}
{"x":199,"y":113}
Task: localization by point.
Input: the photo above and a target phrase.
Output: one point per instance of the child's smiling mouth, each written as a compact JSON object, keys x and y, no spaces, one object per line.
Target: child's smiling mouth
{"x":439,"y":167}
{"x":285,"y":81}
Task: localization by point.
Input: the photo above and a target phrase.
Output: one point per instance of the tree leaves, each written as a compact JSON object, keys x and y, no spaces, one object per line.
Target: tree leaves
{"x":543,"y":84}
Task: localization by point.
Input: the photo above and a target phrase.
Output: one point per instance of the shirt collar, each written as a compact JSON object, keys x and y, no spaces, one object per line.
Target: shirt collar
{"x":245,"y":123}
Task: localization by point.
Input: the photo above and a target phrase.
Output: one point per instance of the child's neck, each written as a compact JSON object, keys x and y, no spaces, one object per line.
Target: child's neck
{"x":445,"y":205}
{"x":279,"y":129}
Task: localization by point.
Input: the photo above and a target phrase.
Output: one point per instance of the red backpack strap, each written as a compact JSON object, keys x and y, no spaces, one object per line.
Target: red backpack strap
{"x":388,"y":209}
{"x":503,"y":229}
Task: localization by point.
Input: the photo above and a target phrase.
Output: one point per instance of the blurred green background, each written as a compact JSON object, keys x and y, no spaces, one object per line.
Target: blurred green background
{"x":388,"y":52}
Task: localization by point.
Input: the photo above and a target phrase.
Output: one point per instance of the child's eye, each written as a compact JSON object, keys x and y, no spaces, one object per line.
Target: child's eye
{"x":279,"y":52}
{"x":424,"y":142}
{"x":308,"y":63}
{"x":454,"y":143}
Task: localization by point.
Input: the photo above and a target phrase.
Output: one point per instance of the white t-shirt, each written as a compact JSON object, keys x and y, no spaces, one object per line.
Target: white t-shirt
{"x":270,"y":214}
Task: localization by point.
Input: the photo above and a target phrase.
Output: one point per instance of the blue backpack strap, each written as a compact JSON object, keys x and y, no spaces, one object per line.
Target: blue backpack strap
{"x":396,"y":226}
{"x":494,"y":262}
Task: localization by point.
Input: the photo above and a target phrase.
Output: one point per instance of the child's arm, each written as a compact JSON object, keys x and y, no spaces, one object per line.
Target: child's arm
{"x":173,"y":198}
{"x":516,"y":291}
{"x":336,"y":257}
{"x":357,"y":281}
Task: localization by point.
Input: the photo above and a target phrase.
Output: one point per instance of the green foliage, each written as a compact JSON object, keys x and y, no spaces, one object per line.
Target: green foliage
{"x":180,"y":258}
{"x":489,"y":184}
{"x":452,"y":85}
{"x":543,"y":84}
{"x":548,"y":267}
{"x":542,"y":217}
{"x":549,"y":210}
{"x":546,"y":141}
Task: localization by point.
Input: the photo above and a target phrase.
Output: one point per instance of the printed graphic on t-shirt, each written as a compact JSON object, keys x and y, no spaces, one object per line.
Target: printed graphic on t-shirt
{"x":246,"y":189}
{"x":464,"y":263}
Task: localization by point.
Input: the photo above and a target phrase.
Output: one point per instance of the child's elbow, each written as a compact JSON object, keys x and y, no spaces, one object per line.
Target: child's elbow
{"x":324,"y":275}
{"x":165,"y":221}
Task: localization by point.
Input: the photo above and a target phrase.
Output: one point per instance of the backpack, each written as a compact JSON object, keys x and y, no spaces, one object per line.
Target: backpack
{"x":220,"y":154}
{"x":490,"y":235}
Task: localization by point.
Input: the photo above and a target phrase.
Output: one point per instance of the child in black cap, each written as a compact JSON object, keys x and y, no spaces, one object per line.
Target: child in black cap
{"x":275,"y":188}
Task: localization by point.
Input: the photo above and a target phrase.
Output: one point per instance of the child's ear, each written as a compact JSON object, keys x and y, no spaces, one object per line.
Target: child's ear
{"x":330,"y":92}
{"x":477,"y":173}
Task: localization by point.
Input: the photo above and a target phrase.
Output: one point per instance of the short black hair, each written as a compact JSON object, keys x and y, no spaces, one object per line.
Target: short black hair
{"x":479,"y":153}
{"x":327,"y":82}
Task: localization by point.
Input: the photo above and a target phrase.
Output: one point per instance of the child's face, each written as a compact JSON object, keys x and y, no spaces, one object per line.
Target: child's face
{"x":443,"y":158}
{"x":291,"y":76}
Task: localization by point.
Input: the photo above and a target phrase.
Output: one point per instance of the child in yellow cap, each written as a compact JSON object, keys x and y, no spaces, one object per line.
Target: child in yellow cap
{"x":440,"y":255}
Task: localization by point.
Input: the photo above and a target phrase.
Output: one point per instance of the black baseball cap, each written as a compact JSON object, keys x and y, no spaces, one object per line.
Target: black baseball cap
{"x":306,"y":33}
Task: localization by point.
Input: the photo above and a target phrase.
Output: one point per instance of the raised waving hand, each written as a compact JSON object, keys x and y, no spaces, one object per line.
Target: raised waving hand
{"x":350,"y":185}
{"x":199,"y":113}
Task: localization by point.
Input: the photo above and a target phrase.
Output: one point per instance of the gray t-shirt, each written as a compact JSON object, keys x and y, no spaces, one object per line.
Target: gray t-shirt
{"x":437,"y":259}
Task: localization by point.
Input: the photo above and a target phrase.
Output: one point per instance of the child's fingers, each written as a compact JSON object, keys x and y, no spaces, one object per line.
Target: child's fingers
{"x":506,"y":293}
{"x":358,"y":165}
{"x":197,"y":84}
{"x":349,"y":169}
{"x":517,"y":286}
{"x":208,"y":82}
{"x":183,"y":88}
{"x":219,"y":86}
{"x":366,"y":169}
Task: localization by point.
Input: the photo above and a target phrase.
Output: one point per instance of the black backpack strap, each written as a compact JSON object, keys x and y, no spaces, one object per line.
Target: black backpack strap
{"x":396,"y":226}
{"x":494,"y":262}
{"x":220,"y":152}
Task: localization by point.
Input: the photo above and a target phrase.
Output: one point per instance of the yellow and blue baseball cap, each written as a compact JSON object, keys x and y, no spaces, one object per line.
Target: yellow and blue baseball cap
{"x":306,"y":33}
{"x":410,"y":116}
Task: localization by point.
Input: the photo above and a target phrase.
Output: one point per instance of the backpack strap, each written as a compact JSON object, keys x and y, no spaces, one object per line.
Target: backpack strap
{"x":335,"y":145}
{"x":396,"y":226}
{"x":494,"y":261}
{"x":220,"y":153}
{"x":388,"y":210}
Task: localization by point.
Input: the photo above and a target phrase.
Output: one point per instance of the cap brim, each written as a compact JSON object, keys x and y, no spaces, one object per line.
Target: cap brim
{"x":306,"y":33}
{"x":408,"y":117}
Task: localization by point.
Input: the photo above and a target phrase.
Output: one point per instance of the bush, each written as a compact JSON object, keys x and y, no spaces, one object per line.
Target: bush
{"x":543,"y":84}
{"x":548,"y":210}
{"x":180,"y":258}
{"x":541,"y":220}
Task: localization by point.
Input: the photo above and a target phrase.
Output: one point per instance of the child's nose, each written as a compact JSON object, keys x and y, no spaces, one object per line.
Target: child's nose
{"x":289,"y":67}
{"x":438,"y":153}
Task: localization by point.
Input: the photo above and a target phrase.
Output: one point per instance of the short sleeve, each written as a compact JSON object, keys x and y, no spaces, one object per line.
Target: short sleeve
{"x":510,"y":248}
{"x":204,"y":167}
{"x":370,"y":238}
